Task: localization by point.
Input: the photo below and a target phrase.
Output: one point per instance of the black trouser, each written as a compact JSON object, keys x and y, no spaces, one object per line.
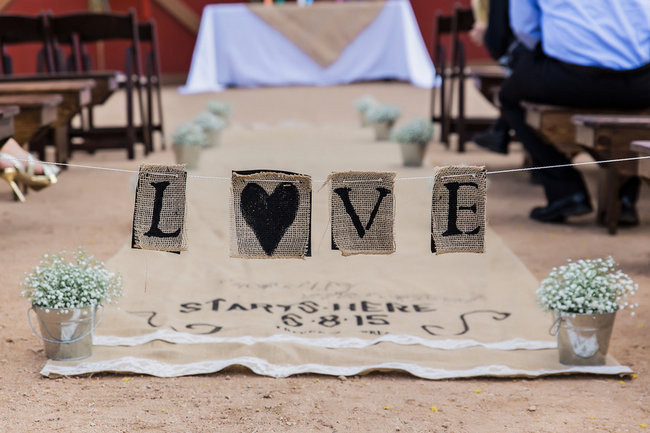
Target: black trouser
{"x":541,"y":79}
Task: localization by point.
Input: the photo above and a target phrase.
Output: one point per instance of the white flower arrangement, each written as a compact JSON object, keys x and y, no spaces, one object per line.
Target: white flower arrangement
{"x":209,"y":122}
{"x":81,"y":282}
{"x":220,"y":108}
{"x":589,"y":286}
{"x":364,"y":103}
{"x":383,"y":113}
{"x":416,"y":131}
{"x":189,"y":134}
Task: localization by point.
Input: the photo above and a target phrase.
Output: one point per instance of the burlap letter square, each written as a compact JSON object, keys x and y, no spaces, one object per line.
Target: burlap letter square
{"x":159,"y":211}
{"x":362,"y":206}
{"x":270,"y":215}
{"x":458,"y":210}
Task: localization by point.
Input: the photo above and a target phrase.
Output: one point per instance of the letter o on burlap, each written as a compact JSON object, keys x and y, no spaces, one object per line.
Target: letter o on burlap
{"x":270,"y":214}
{"x":458,"y":210}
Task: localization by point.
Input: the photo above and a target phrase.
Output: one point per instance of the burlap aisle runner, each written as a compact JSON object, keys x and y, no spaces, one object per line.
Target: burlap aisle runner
{"x":450,"y":315}
{"x":159,"y":211}
{"x":270,"y":214}
{"x":322,"y":30}
{"x":458,"y":210}
{"x":362,"y":206}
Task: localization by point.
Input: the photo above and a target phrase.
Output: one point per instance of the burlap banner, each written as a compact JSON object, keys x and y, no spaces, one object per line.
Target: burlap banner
{"x":270,"y":214}
{"x":458,"y":210}
{"x":362,"y":207}
{"x":159,"y":211}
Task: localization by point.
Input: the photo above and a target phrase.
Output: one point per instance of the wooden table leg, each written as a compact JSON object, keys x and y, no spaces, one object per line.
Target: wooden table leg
{"x":613,"y":202}
{"x":61,"y":144}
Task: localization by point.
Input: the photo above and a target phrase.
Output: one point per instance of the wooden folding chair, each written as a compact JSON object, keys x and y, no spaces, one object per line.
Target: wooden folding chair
{"x":443,"y":25}
{"x":147,"y":33}
{"x":22,"y":29}
{"x":81,"y":29}
{"x":463,"y":21}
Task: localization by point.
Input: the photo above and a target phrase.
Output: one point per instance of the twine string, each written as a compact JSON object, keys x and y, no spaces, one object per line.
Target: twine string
{"x":511,"y":170}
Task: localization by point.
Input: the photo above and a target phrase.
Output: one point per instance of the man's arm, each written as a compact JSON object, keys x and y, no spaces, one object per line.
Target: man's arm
{"x":525,"y":16}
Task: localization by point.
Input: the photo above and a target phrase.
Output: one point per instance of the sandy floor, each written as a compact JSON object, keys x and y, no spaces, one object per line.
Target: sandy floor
{"x":94,"y":208}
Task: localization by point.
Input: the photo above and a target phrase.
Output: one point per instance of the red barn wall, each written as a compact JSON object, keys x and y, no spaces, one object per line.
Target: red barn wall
{"x":176,"y":41}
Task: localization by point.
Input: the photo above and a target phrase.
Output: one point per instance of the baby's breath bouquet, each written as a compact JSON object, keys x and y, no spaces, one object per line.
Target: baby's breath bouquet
{"x":416,"y":131}
{"x":364,"y":103}
{"x":220,"y":108}
{"x":209,"y":122}
{"x":59,"y":283}
{"x":189,"y":134}
{"x":589,"y":286}
{"x":383,"y":113}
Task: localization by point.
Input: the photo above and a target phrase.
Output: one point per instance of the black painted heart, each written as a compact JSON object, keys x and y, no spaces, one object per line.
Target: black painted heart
{"x":269,"y":215}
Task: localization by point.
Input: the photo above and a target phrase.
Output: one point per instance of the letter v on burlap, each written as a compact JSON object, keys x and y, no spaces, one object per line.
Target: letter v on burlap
{"x":363,"y":212}
{"x":458,"y":210}
{"x":159,"y":211}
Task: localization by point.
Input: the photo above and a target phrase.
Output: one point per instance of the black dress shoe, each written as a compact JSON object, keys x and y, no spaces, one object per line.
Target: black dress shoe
{"x":493,"y":140}
{"x":559,"y":210}
{"x":629,"y":216}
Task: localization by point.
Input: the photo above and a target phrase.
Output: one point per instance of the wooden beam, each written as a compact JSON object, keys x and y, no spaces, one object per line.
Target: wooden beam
{"x":182,"y":12}
{"x":4,"y":4}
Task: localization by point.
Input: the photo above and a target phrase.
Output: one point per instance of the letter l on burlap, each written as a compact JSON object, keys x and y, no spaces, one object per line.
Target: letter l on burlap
{"x":159,"y":211}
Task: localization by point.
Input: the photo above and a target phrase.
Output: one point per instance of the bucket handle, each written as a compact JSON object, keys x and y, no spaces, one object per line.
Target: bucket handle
{"x":56,"y":340}
{"x":555,"y":327}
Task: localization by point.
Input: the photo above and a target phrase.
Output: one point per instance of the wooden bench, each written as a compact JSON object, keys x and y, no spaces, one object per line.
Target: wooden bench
{"x":488,"y":80}
{"x":643,"y":149}
{"x":37,"y":113}
{"x":106,"y":82}
{"x":75,"y":95}
{"x":608,"y":137}
{"x":7,"y":114}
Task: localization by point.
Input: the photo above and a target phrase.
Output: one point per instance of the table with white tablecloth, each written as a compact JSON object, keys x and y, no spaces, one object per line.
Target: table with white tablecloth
{"x":237,"y":48}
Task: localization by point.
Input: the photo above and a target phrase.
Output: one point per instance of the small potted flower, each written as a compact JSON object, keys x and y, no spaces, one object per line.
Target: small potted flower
{"x":211,"y":125}
{"x":382,"y":118}
{"x":66,"y":292}
{"x":413,"y":138}
{"x":221,"y":109}
{"x":187,"y":141}
{"x":362,"y":105}
{"x":584,"y":297}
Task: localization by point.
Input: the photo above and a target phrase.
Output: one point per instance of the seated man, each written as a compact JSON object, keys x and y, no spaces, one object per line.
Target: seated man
{"x":586,"y":54}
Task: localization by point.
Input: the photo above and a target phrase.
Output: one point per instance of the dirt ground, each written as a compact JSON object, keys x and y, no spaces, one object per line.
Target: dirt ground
{"x":94,"y":208}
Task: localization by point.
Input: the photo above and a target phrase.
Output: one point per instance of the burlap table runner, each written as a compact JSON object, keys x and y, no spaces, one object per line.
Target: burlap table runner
{"x":322,"y":30}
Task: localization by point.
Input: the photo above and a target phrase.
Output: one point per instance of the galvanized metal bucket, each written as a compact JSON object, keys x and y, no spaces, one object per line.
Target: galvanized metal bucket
{"x":383,"y":129}
{"x":413,"y":153}
{"x":188,"y":155}
{"x":67,"y":334}
{"x":214,"y":138}
{"x":583,"y":339}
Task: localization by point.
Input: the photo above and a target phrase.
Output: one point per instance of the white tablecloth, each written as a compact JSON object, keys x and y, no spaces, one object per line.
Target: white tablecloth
{"x":237,"y":48}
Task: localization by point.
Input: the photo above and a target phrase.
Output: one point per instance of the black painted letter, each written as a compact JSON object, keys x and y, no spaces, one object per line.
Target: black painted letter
{"x":452,"y":216}
{"x":155,"y":231}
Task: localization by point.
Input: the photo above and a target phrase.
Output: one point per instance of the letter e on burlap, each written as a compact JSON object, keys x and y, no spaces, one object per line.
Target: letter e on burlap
{"x":159,"y":211}
{"x":362,"y":208}
{"x":458,"y":210}
{"x":270,"y":214}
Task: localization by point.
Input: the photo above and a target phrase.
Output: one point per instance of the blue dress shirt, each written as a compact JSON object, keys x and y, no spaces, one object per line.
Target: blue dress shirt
{"x":613,"y":34}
